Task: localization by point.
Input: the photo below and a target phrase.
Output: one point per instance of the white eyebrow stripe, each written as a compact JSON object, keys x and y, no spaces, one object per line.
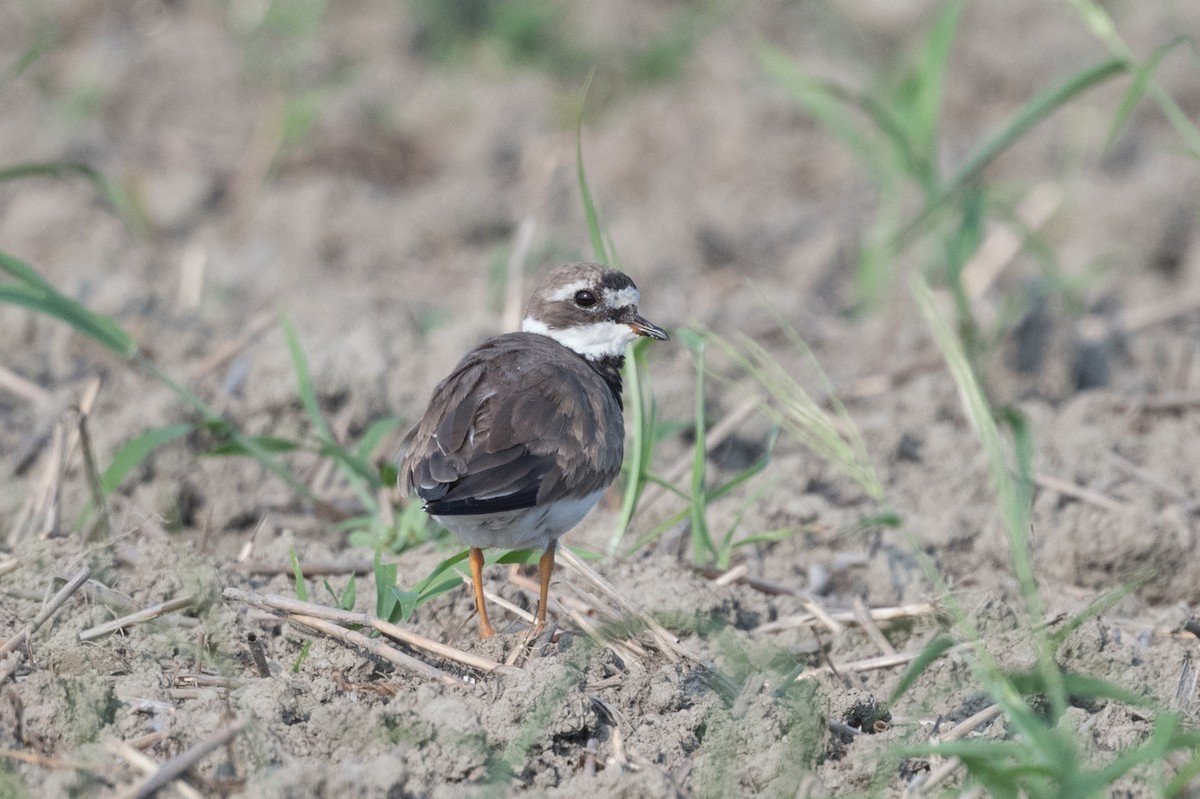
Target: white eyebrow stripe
{"x":614,"y":299}
{"x":568,"y":291}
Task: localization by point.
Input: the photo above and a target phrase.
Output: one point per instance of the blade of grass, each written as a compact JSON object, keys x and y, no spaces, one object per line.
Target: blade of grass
{"x":110,"y":190}
{"x":589,"y":208}
{"x":386,"y":600}
{"x":792,"y":407}
{"x":375,"y":433}
{"x":827,"y":103}
{"x":136,"y":450}
{"x":1101,"y":23}
{"x":1137,"y":89}
{"x":298,"y":576}
{"x":304,"y":384}
{"x":929,"y":654}
{"x":926,"y":103}
{"x":43,"y":40}
{"x":1030,"y":114}
{"x":359,"y":475}
{"x":703,"y":550}
{"x":238,"y":448}
{"x":641,"y":446}
{"x":1013,"y":502}
{"x":36,"y":293}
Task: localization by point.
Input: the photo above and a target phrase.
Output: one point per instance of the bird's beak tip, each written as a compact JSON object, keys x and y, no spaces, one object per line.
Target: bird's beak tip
{"x":644,"y":327}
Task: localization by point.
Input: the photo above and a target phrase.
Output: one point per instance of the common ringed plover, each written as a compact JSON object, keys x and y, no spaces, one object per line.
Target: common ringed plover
{"x":522,"y":438}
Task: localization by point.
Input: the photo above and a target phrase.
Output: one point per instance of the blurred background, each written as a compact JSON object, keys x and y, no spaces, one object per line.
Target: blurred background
{"x":388,"y":176}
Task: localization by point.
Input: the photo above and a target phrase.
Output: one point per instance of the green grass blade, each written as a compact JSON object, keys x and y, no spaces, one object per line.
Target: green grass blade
{"x":589,"y":207}
{"x":238,"y":447}
{"x":375,"y":433}
{"x":34,"y":292}
{"x":136,"y":450}
{"x":24,"y":273}
{"x":931,"y":71}
{"x":298,"y":576}
{"x":304,"y":384}
{"x":439,"y":570}
{"x":641,"y":445}
{"x":1098,"y":19}
{"x":1137,"y":89}
{"x":355,"y":469}
{"x":929,"y":653}
{"x":1164,"y":738}
{"x":1029,"y":115}
{"x":43,"y":40}
{"x":1184,"y":775}
{"x":385,"y":587}
{"x":829,"y":105}
{"x":110,"y":190}
{"x":1098,"y":606}
{"x":789,"y":405}
{"x":703,"y":550}
{"x":1012,"y":499}
{"x":1014,"y":510}
{"x":350,"y":595}
{"x":358,"y":473}
{"x":769,"y":536}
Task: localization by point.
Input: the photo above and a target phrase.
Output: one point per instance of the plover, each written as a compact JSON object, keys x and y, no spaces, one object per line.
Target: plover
{"x":522,"y":438}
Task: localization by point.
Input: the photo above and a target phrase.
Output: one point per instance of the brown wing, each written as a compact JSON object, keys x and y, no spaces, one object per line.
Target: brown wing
{"x":518,"y":422}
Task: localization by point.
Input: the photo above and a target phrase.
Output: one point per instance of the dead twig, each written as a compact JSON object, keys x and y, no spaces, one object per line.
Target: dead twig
{"x":177,"y":766}
{"x":291,"y":606}
{"x":872,"y":664}
{"x":373,"y":646}
{"x":227,"y":350}
{"x":147,"y":766}
{"x":1138,"y":473}
{"x":141,"y":616}
{"x":667,"y":643}
{"x":19,"y":387}
{"x":514,"y":289}
{"x":1166,"y":401}
{"x":102,"y":524}
{"x":1133,"y":320}
{"x":579,"y":608}
{"x":46,"y":612}
{"x":733,"y":575}
{"x":1081,"y":493}
{"x":961,"y":730}
{"x":1002,"y":243}
{"x":814,"y":606}
{"x":51,"y":762}
{"x":877,"y":615}
{"x":318,"y":568}
{"x":863,"y":616}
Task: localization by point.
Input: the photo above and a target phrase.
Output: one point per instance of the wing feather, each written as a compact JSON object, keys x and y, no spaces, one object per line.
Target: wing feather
{"x":513,"y":425}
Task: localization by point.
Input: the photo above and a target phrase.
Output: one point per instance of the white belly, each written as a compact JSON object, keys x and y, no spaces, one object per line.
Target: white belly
{"x":528,"y":528}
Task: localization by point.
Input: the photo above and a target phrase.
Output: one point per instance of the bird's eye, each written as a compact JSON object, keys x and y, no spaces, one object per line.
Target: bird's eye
{"x":585,"y":298}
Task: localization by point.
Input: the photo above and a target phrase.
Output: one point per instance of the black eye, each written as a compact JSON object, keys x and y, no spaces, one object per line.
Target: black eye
{"x":585,"y":298}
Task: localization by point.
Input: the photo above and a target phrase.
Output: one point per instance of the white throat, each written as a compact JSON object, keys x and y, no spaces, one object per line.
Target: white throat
{"x":594,"y":341}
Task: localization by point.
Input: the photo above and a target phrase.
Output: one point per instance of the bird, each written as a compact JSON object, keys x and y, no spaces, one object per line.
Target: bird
{"x":523,"y":436}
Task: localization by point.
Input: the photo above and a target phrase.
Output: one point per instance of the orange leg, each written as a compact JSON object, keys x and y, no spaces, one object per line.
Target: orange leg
{"x":546,"y":568}
{"x":485,"y":627}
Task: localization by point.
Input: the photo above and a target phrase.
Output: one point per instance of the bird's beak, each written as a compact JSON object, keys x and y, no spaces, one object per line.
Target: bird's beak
{"x":644,"y":327}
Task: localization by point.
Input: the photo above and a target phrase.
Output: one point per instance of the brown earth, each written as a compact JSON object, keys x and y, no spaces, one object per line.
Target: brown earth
{"x":334,"y":171}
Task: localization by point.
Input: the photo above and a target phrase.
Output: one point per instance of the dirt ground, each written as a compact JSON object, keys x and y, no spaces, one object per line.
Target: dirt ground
{"x":317,"y":160}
